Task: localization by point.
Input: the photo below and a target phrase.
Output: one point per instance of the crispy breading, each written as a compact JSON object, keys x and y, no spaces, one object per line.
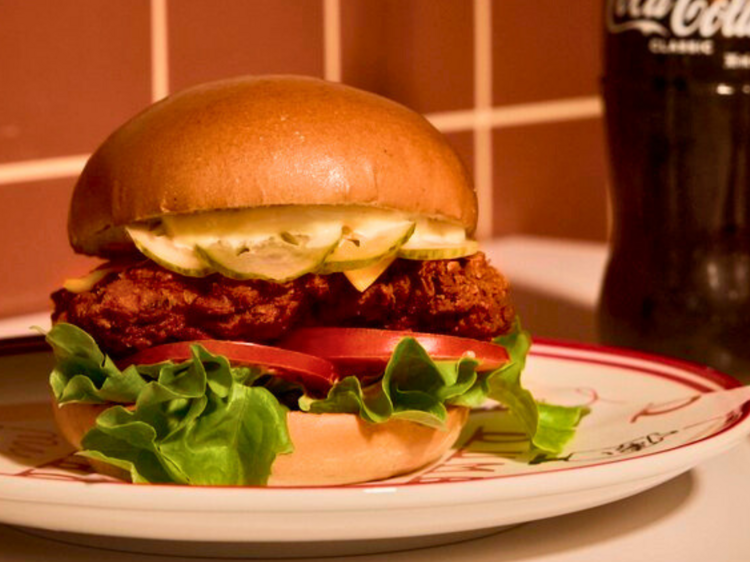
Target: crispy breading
{"x":464,"y":297}
{"x":144,"y":305}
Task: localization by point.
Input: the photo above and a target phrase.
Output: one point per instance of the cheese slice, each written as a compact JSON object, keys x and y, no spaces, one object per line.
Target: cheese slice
{"x":364,"y":277}
{"x":87,"y":282}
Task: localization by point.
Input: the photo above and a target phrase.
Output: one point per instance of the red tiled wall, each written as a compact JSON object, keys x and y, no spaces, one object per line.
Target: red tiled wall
{"x":72,"y":71}
{"x":418,"y":52}
{"x":210,"y":40}
{"x":546,"y":51}
{"x":548,"y":179}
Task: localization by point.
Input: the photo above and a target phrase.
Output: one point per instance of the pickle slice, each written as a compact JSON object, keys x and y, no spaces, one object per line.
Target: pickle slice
{"x":160,"y":248}
{"x":439,"y":252}
{"x":367,"y":246}
{"x":279,"y":257}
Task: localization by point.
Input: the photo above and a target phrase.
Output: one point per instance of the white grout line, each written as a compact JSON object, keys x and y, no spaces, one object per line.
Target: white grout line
{"x":483,"y":181}
{"x":159,"y":50}
{"x":547,"y":112}
{"x":332,"y":39}
{"x":482,"y":103}
{"x":453,"y":121}
{"x":49,"y":168}
{"x":518,"y":115}
{"x":483,"y":54}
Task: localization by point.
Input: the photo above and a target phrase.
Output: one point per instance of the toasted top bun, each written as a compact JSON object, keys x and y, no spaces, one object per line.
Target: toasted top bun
{"x":260,"y":141}
{"x":329,"y":449}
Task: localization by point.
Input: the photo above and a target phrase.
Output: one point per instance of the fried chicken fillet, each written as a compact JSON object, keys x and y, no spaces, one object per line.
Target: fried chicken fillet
{"x":143,"y":305}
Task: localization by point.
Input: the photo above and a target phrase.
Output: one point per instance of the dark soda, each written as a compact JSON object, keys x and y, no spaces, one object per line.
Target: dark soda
{"x":677,"y":96}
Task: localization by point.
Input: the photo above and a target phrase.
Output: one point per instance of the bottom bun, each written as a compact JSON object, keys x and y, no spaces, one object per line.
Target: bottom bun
{"x":329,"y":449}
{"x":334,"y":449}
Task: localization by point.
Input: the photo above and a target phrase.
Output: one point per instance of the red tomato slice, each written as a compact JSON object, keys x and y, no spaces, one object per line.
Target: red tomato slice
{"x":315,"y":373}
{"x":364,"y":351}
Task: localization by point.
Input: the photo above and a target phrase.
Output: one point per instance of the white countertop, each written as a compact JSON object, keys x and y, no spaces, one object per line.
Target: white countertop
{"x":699,"y":516}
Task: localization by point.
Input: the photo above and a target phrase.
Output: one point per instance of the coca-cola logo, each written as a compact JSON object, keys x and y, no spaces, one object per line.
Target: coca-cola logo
{"x":680,"y":18}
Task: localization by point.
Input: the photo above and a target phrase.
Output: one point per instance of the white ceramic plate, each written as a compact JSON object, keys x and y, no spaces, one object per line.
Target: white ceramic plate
{"x":651,"y":419}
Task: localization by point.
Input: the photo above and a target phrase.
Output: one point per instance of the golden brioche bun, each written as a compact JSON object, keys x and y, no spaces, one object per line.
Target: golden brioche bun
{"x":262,"y":141}
{"x":329,"y":449}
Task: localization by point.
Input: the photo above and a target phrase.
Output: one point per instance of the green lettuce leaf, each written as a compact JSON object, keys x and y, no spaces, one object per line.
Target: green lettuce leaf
{"x":414,"y":388}
{"x":205,"y":422}
{"x":549,"y":427}
{"x":418,"y":388}
{"x":197,"y":422}
{"x":83,"y":373}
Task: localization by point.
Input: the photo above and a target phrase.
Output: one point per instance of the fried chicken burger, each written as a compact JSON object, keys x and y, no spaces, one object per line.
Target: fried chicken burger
{"x":292,"y":294}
